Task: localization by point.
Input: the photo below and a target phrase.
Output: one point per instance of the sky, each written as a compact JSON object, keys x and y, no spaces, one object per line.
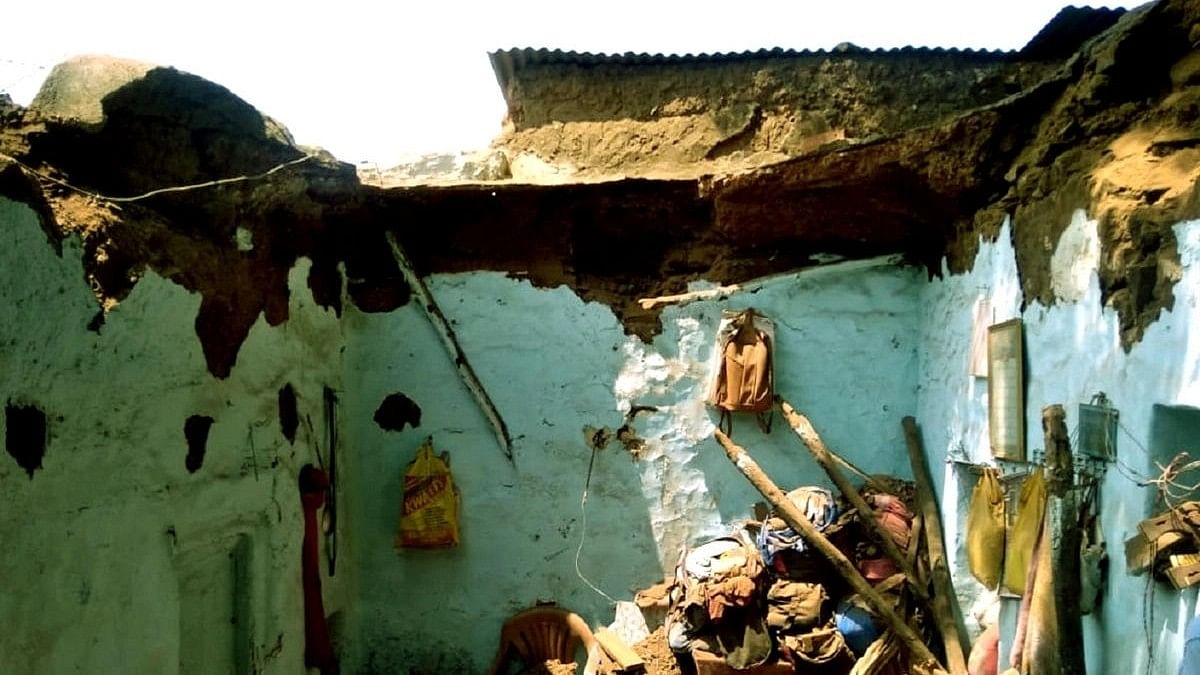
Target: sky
{"x":381,"y":82}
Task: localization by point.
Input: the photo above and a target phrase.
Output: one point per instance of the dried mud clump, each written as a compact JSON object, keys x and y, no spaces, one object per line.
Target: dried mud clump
{"x":1123,"y":142}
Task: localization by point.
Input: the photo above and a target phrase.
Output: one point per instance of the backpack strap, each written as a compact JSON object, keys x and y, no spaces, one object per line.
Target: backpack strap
{"x":725,"y":423}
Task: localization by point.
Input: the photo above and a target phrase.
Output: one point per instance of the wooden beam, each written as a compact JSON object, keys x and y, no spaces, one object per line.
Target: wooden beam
{"x":824,"y":456}
{"x":945,"y":610}
{"x":794,"y":518}
{"x":453,"y":349}
{"x":627,"y":660}
{"x":1062,"y":514}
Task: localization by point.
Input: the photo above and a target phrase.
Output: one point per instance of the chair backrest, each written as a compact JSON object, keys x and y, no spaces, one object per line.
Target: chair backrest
{"x":540,"y":634}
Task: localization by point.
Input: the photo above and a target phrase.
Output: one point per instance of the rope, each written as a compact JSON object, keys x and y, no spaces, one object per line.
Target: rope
{"x":159,"y":191}
{"x":1168,"y":484}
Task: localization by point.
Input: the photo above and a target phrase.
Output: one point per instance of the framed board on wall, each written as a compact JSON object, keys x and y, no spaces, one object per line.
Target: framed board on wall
{"x":1006,"y":390}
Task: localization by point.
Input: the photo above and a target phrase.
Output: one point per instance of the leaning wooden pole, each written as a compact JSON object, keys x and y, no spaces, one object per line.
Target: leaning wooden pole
{"x":453,"y":349}
{"x":1062,"y":519}
{"x":824,"y":456}
{"x":944,"y":612}
{"x":797,"y":521}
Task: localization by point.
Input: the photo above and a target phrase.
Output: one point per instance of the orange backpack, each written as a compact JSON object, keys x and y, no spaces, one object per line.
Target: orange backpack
{"x":745,"y":380}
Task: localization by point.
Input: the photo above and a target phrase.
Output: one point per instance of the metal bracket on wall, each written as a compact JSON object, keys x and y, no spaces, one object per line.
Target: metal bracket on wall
{"x":450,"y":341}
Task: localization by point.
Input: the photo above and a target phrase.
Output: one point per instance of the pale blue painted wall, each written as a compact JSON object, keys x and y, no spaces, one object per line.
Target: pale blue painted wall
{"x":101,"y":545}
{"x":1073,"y":351}
{"x":846,"y":345}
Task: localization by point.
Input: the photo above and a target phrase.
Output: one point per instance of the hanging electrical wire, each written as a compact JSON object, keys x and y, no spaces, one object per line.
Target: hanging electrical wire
{"x":159,"y":191}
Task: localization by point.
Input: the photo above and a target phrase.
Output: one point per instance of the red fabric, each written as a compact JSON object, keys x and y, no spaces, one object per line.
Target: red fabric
{"x":318,"y":649}
{"x":985,"y":653}
{"x":895,"y":518}
{"x":876,"y":570}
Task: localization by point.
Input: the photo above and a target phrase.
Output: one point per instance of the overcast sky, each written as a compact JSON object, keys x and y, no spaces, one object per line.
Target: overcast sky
{"x":377,"y":81}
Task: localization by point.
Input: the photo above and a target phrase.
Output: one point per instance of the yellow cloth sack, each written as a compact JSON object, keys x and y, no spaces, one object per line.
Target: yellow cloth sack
{"x":429,"y":517}
{"x":985,"y":529}
{"x":1031,"y":510}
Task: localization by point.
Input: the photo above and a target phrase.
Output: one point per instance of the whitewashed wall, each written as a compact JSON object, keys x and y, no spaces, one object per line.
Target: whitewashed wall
{"x":1073,"y":351}
{"x":115,"y":559}
{"x":847,"y":339}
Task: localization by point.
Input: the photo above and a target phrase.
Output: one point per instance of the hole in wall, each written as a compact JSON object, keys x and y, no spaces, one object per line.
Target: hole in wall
{"x":25,"y":436}
{"x":396,"y":411}
{"x":195,"y":429}
{"x":289,"y":415}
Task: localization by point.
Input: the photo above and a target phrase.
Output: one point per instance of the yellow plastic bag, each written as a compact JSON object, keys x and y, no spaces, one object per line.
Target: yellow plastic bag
{"x":985,"y":529}
{"x":429,"y":517}
{"x":1031,"y":510}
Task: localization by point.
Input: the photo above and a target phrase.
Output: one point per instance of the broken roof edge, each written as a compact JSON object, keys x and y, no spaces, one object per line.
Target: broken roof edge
{"x":506,"y":63}
{"x":1060,"y":37}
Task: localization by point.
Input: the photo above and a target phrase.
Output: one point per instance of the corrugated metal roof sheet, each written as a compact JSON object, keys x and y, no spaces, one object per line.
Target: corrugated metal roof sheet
{"x":508,"y":62}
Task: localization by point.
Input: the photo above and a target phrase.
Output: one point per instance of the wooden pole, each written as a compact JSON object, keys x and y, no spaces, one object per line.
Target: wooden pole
{"x":824,"y":456}
{"x":944,"y":610}
{"x":1062,"y":517}
{"x":794,"y":518}
{"x":453,"y":349}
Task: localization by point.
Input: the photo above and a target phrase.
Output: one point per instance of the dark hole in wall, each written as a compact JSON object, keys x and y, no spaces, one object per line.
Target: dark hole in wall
{"x":25,"y":438}
{"x":396,"y":411}
{"x":289,"y":416}
{"x":196,"y":430}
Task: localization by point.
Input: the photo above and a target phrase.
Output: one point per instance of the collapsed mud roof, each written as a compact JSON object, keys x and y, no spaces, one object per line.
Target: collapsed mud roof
{"x":648,"y":114}
{"x":761,"y":167}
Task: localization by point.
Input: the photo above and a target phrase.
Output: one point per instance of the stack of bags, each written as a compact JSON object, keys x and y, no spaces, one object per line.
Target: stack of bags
{"x":748,"y":601}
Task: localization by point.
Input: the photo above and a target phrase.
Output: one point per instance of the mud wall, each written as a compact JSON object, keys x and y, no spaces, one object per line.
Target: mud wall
{"x":1073,"y":350}
{"x":131,"y":545}
{"x":561,"y":370}
{"x":621,"y":116}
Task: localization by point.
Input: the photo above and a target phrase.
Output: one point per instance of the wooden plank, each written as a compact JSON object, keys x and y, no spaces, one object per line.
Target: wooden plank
{"x":1184,"y":576}
{"x":793,"y":517}
{"x":1140,"y":552}
{"x":623,"y":654}
{"x":1167,"y":521}
{"x":945,"y":608}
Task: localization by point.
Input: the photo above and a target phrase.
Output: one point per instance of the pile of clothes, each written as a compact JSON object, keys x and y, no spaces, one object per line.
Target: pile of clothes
{"x":762,"y":593}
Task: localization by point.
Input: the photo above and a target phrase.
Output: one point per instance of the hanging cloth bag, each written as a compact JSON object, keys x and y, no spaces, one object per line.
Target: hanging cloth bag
{"x":1031,"y":510}
{"x":429,"y":517}
{"x":985,"y":529}
{"x":745,"y":380}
